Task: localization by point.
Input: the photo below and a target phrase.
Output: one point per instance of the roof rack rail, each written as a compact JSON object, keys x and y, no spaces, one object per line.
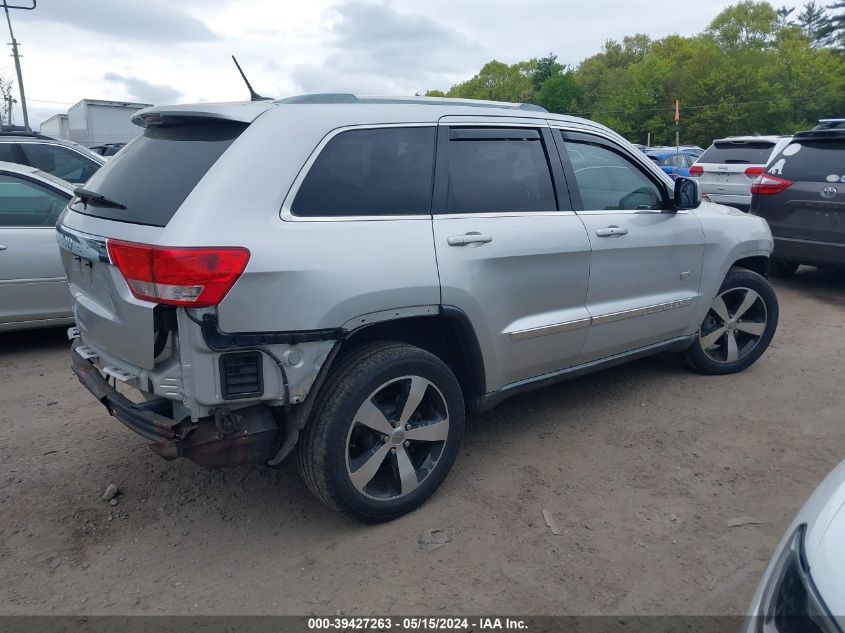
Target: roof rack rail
{"x":345,"y":97}
{"x":834,"y":133}
{"x":27,"y":134}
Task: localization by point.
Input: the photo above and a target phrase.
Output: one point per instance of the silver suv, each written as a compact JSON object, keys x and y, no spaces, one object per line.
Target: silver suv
{"x":348,"y":278}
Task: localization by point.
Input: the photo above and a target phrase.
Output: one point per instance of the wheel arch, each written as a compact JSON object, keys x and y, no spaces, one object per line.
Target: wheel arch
{"x":448,"y":334}
{"x":755,"y":263}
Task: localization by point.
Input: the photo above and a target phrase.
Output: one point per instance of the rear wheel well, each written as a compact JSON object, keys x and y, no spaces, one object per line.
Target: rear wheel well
{"x":758,"y":264}
{"x":447,"y":337}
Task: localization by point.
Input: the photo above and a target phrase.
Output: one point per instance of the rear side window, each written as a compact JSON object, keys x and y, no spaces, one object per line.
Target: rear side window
{"x":811,"y":161}
{"x":489,"y":174}
{"x":738,"y":152}
{"x":157,"y":170}
{"x":383,"y":171}
{"x":59,"y":161}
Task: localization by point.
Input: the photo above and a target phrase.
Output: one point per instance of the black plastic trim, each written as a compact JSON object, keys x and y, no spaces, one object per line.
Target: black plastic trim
{"x":218,"y":340}
{"x":673,"y":345}
{"x":473,"y":351}
{"x":226,"y":392}
{"x":493,"y":134}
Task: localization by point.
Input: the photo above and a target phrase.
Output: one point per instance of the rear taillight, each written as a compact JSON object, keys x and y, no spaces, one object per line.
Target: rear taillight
{"x":181,"y":276}
{"x":696,"y":171}
{"x":753,"y":172}
{"x":766,"y":185}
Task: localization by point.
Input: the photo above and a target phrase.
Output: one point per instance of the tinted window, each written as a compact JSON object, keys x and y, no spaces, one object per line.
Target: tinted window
{"x":157,"y":170}
{"x":59,"y":161}
{"x":609,"y":181}
{"x":385,"y":171}
{"x":8,"y":153}
{"x":738,"y":152}
{"x":811,"y":161}
{"x":23,"y":203}
{"x":498,"y":175}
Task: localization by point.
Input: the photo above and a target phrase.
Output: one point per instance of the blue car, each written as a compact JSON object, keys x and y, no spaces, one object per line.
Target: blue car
{"x":674,"y":161}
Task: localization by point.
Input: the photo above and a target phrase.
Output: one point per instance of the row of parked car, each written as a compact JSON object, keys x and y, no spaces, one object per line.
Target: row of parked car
{"x":797,"y":183}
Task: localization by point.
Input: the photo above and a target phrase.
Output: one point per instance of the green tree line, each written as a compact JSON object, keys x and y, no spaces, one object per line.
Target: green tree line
{"x":756,"y":69}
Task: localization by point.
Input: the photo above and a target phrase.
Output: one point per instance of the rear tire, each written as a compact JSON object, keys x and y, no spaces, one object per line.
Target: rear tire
{"x":384,"y":433}
{"x":738,"y":326}
{"x":781,"y":268}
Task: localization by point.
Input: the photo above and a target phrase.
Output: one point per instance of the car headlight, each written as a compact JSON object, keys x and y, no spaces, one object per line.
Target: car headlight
{"x":790,"y":602}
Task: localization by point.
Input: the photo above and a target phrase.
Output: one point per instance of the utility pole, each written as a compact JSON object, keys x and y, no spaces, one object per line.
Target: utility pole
{"x":14,"y":43}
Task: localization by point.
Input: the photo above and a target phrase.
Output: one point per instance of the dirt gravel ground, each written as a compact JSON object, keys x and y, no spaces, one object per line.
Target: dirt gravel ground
{"x":641,"y":466}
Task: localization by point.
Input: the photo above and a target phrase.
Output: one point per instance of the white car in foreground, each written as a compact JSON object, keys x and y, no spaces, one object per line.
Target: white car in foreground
{"x":803,"y":588}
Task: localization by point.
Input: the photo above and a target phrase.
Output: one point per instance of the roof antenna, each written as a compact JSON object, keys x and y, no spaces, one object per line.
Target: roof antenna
{"x":253,"y":96}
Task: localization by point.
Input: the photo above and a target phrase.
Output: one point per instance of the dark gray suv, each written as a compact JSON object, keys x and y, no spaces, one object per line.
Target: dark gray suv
{"x":801,"y":194}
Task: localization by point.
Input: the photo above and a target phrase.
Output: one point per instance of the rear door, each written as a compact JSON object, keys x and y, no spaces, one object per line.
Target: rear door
{"x":511,"y":253}
{"x":646,"y":260}
{"x":812,"y":207}
{"x":32,"y":281}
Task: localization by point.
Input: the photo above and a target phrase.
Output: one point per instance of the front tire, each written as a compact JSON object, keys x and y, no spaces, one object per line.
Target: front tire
{"x":738,"y":326}
{"x":385,"y":432}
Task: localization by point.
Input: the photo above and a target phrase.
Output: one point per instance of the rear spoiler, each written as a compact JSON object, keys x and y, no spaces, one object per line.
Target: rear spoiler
{"x":241,"y":112}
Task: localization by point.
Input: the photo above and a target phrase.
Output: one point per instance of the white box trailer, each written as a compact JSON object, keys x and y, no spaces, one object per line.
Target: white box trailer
{"x":56,"y":127}
{"x":94,"y":122}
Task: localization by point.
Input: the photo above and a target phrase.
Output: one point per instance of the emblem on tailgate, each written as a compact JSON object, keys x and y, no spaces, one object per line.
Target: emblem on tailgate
{"x":88,"y":246}
{"x":828,"y":192}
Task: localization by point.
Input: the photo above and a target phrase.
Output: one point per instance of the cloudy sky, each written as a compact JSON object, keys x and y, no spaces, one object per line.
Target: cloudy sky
{"x":166,"y":51}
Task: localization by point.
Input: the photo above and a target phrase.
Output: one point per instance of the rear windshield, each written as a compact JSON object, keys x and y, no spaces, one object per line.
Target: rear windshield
{"x":738,"y":152}
{"x":811,"y":161}
{"x":156,"y":171}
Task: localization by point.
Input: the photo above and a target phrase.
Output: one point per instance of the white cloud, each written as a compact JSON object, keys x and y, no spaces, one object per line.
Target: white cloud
{"x":169,"y":48}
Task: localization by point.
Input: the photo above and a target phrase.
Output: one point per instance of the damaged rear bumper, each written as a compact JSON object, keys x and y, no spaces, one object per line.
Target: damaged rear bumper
{"x":230,"y":438}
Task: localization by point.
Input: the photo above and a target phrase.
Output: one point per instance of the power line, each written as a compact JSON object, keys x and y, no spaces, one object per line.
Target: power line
{"x":710,"y":105}
{"x":50,"y":101}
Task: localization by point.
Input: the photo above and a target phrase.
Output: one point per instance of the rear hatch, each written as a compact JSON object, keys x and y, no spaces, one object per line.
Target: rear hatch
{"x":128,"y":202}
{"x":728,"y":167}
{"x":802,"y":193}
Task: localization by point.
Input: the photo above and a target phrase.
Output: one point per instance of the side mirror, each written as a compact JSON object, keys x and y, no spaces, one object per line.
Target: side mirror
{"x":687,"y":194}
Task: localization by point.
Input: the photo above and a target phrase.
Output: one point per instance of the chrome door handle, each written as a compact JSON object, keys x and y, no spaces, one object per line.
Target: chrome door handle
{"x":468,"y":238}
{"x":610,"y":231}
{"x":3,"y":247}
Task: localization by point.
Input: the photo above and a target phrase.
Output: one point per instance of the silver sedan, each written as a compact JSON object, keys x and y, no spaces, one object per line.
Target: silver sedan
{"x":33,"y":288}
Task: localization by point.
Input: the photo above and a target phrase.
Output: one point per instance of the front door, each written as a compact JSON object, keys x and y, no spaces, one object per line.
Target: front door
{"x":511,"y":253}
{"x":646,"y":260}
